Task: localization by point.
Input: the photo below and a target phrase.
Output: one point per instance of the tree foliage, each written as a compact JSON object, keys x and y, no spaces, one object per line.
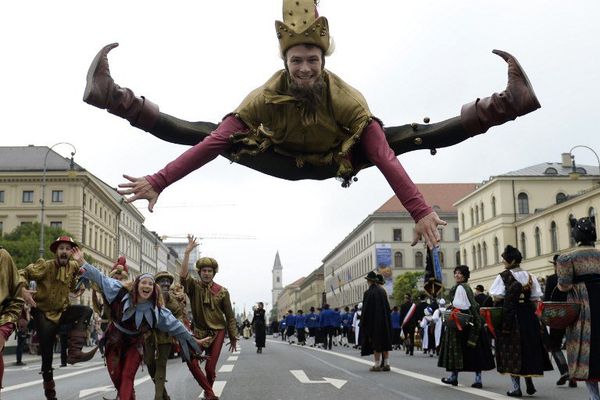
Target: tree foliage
{"x":23,"y":243}
{"x":406,"y":283}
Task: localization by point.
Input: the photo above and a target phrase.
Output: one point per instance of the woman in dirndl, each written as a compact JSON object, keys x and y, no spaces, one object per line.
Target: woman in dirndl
{"x":519,"y":348}
{"x":579,"y":275}
{"x":467,"y":346}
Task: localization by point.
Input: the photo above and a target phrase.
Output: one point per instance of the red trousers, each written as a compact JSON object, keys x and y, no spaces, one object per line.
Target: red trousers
{"x":206,"y":381}
{"x":122,"y":364}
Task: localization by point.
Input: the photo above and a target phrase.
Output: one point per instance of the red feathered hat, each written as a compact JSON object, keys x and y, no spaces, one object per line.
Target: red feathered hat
{"x":62,"y":239}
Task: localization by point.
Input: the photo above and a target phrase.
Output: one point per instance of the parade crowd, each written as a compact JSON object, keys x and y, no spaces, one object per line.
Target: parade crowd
{"x":511,"y":329}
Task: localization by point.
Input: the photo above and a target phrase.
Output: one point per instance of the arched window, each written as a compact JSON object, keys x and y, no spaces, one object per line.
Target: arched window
{"x":482,"y":213}
{"x":553,"y":237}
{"x":462,"y":220}
{"x":398,"y":259}
{"x":472,"y":219}
{"x":485,"y":257}
{"x":538,"y":241}
{"x":523,"y":245}
{"x":479,"y":263}
{"x":561,"y":197}
{"x":474,"y":254}
{"x":496,"y":251}
{"x":442,"y":259}
{"x":523,"y":203}
{"x":464,"y":260}
{"x":477,"y":215}
{"x":418,"y":259}
{"x":457,"y":258}
{"x":493,"y":206}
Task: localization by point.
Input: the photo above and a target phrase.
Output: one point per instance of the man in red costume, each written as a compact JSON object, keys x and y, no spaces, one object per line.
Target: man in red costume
{"x":305,"y":122}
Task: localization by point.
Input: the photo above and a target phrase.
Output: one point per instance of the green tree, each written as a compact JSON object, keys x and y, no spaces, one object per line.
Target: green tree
{"x":23,"y":243}
{"x":406,"y":283}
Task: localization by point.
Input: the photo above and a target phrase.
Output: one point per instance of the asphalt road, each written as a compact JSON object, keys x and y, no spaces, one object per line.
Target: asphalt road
{"x":282,"y":372}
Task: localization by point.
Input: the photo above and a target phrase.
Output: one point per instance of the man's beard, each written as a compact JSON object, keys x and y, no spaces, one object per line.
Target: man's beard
{"x":62,"y":260}
{"x":311,"y":98}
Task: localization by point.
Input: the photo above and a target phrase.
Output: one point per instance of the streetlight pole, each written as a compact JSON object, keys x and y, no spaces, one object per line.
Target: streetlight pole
{"x":72,"y":165}
{"x":574,"y":173}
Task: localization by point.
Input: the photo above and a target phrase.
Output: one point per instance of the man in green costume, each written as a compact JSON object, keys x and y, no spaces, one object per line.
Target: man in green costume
{"x":305,"y":122}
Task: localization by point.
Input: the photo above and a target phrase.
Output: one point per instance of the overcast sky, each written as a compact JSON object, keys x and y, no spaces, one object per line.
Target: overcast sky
{"x":197,"y":60}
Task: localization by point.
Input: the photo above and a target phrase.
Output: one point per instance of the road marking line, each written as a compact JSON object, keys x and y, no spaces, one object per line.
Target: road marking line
{"x":226,"y":368}
{"x":218,"y":387}
{"x":232,"y":358}
{"x":411,"y":374}
{"x":303,"y":378}
{"x":56,"y":378}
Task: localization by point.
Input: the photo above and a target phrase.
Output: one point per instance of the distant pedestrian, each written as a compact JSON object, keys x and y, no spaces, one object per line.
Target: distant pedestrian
{"x":300,"y":326}
{"x":409,"y":323}
{"x":396,"y":328}
{"x":290,"y":323}
{"x":328,"y":320}
{"x":259,"y":325}
{"x":312,"y":323}
{"x":375,"y":324}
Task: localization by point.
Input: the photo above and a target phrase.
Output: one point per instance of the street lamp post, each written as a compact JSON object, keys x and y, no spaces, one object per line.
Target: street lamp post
{"x":72,"y":164}
{"x":574,"y":174}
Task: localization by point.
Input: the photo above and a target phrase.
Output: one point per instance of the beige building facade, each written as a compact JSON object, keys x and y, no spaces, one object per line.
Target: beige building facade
{"x":528,"y":209}
{"x":289,"y":298}
{"x":387,"y":234}
{"x":312,"y":290}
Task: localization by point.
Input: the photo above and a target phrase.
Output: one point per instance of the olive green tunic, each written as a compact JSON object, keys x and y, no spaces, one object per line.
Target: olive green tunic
{"x":277,"y":119}
{"x":10,"y":287}
{"x":175,"y":307}
{"x":54,"y":283}
{"x":211,"y":308}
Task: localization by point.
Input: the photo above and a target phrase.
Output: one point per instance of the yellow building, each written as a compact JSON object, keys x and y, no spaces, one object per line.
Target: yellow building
{"x":529,"y":209}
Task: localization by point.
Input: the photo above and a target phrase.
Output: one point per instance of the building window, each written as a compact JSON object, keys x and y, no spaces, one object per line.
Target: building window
{"x":472,"y":219}
{"x":1,"y":196}
{"x":23,"y":223}
{"x":457,"y":258}
{"x":397,"y":235}
{"x":27,"y":196}
{"x":419,"y":260}
{"x":592,"y":212}
{"x":277,"y":279}
{"x":474,"y":255}
{"x":477,"y":215}
{"x":398,"y":260}
{"x":538,"y":242}
{"x":496,"y":251}
{"x":456,"y":235}
{"x":571,"y":240}
{"x":523,"y":245}
{"x":523,"y":203}
{"x":56,"y":224}
{"x":553,"y":237}
{"x":479,"y":259}
{"x":485,"y":258}
{"x":464,"y":260}
{"x":493,"y":206}
{"x":441,"y":253}
{"x":561,"y":198}
{"x":1,"y":227}
{"x":57,"y":196}
{"x":441,"y":231}
{"x":462,"y":220}
{"x":482,"y":213}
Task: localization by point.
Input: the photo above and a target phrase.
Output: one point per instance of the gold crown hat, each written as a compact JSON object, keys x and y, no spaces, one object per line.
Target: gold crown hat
{"x":302,"y":25}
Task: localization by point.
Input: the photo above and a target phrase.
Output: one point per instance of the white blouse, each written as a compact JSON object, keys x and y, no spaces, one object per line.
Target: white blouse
{"x":461,"y":301}
{"x":497,"y":291}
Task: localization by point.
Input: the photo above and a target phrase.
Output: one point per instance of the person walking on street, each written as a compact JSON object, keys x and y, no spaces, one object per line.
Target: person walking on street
{"x":212,"y":314}
{"x":54,"y":280}
{"x":259,"y":326}
{"x":409,"y":323}
{"x":11,"y":304}
{"x":327,"y":325}
{"x":579,"y":275}
{"x":376,"y":325}
{"x":520,"y":351}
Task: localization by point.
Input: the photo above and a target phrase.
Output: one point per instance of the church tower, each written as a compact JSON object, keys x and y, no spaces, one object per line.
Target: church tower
{"x":277,"y":279}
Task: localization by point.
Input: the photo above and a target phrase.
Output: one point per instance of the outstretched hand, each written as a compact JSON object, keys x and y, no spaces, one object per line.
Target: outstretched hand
{"x":192,"y":243}
{"x":427,"y":229}
{"x":27,"y":295}
{"x":140,"y":188}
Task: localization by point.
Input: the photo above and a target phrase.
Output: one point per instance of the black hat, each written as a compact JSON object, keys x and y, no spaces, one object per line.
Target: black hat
{"x":380,"y":279}
{"x":554,"y":258}
{"x":480,"y":288}
{"x":512,"y":255}
{"x":371,"y":276}
{"x":583,"y":230}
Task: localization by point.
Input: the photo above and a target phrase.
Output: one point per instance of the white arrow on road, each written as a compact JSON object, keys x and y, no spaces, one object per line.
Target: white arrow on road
{"x":103,"y":389}
{"x":301,"y":376}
